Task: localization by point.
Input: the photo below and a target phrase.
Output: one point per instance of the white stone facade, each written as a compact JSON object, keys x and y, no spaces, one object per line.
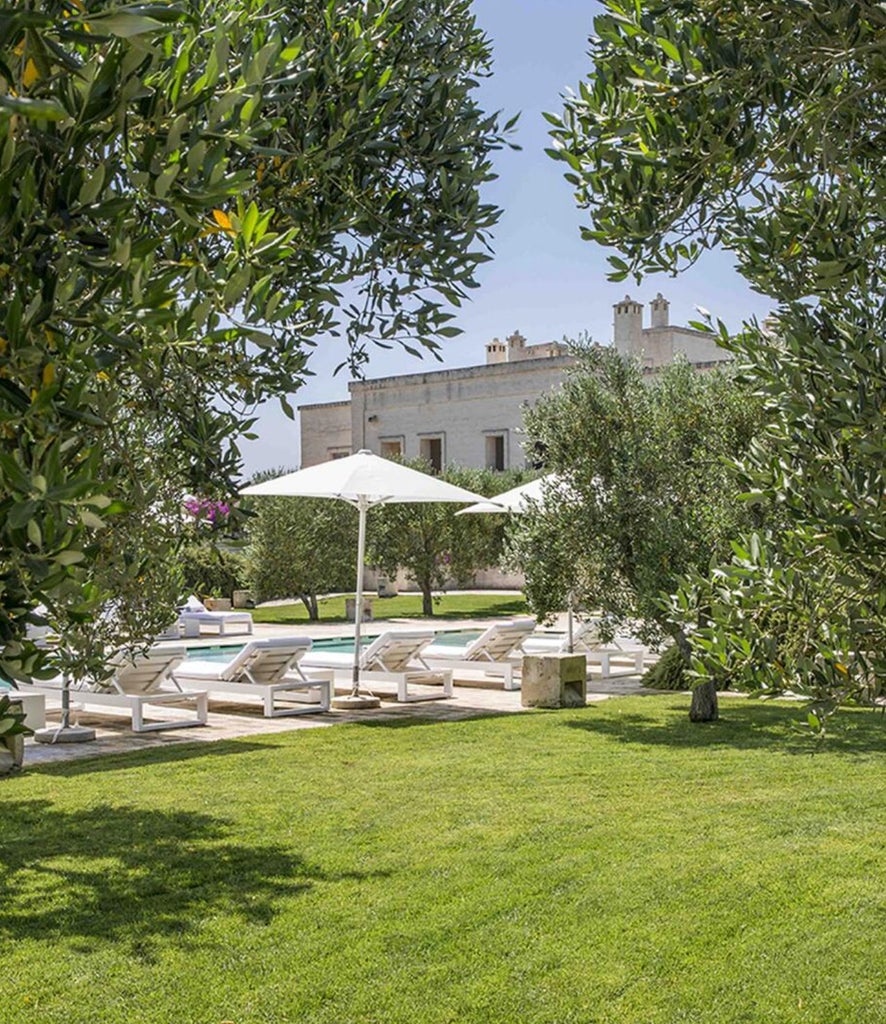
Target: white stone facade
{"x":474,"y":416}
{"x":325,"y":432}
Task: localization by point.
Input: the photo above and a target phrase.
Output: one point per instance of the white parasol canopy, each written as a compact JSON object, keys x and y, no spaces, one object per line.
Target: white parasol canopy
{"x":517,"y":499}
{"x":364,"y":480}
{"x":520,"y":499}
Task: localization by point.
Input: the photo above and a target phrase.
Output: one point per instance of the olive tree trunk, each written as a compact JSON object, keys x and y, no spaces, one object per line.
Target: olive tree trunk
{"x":704,"y":706}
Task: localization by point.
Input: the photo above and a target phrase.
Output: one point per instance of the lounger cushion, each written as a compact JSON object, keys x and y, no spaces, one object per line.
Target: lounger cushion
{"x":257,"y":658}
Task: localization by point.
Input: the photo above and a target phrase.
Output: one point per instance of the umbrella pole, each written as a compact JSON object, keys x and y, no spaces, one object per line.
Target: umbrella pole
{"x":362,"y":507}
{"x":569,"y":628}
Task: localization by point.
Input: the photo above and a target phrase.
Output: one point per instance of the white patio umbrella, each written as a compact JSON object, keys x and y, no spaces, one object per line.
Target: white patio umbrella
{"x":518,"y":500}
{"x":364,"y":480}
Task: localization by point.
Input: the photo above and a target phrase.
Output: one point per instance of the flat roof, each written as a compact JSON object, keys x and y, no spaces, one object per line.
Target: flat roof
{"x":492,"y":369}
{"x":324,"y":405}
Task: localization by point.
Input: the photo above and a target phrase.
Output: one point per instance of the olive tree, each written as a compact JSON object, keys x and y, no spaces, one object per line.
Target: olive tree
{"x":758,"y":128}
{"x":645,"y":492}
{"x":431,"y":542}
{"x":191,"y":195}
{"x":301,"y":547}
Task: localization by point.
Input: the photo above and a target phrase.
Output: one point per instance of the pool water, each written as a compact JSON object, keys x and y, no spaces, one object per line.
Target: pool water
{"x":342,"y":645}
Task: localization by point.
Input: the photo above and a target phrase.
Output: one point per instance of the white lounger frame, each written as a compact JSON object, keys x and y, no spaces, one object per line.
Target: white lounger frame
{"x":136,"y":705}
{"x":498,"y":670}
{"x":496,"y":648}
{"x":586,"y":640}
{"x":225,"y":623}
{"x":441,"y":679}
{"x":294,"y":686}
{"x":392,"y":658}
{"x":293,"y":689}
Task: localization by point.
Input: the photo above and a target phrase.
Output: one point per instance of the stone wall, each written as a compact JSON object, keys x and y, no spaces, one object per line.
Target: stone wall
{"x":462,"y":408}
{"x":474,"y":416}
{"x":325,"y":432}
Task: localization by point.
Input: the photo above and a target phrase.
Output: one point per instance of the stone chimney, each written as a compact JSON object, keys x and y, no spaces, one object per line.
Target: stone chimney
{"x":659,"y":307}
{"x":516,"y":347}
{"x":627,"y":326}
{"x":496,"y":352}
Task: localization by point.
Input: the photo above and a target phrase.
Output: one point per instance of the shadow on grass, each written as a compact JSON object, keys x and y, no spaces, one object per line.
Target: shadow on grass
{"x":744,"y":724}
{"x":144,"y":755}
{"x":408,"y":722}
{"x":127,"y":874}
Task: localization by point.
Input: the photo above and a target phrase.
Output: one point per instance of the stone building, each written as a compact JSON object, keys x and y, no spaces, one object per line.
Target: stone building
{"x":473,"y":416}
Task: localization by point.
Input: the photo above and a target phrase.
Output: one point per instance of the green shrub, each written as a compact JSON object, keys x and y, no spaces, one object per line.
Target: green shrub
{"x":211,"y":570}
{"x":669,"y":672}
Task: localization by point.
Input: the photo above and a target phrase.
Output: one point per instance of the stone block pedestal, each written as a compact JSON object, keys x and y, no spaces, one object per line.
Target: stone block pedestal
{"x":553,"y":681}
{"x":351,"y":609}
{"x":33,"y":705}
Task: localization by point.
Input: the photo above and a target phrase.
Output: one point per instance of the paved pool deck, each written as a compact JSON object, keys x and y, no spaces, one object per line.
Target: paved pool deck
{"x":231,"y":720}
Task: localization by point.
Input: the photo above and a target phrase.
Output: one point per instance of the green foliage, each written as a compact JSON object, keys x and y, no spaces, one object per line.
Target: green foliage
{"x":12,"y":719}
{"x":211,"y":569}
{"x":131,"y":584}
{"x":646,"y":492}
{"x":669,"y":672}
{"x":301,"y":547}
{"x":190,"y":195}
{"x":433,"y":544}
{"x":758,"y":127}
{"x":746,"y":125}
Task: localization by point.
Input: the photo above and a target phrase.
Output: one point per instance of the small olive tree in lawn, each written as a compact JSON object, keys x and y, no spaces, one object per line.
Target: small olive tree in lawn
{"x":433,"y":544}
{"x":301,"y":547}
{"x":646,"y":491}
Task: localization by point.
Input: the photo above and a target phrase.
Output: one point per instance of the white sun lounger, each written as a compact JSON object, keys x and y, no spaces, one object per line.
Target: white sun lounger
{"x":193,"y":621}
{"x":269,"y":669}
{"x":491,"y":653}
{"x":135,"y":684}
{"x":394,"y":657}
{"x":614,"y":658}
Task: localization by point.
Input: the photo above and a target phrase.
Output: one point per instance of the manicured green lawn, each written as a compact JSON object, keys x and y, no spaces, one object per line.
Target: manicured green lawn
{"x":405,"y":606}
{"x":610,"y":864}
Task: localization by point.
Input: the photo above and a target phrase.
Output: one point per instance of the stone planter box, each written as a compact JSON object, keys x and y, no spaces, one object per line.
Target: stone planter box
{"x":553,"y":681}
{"x":34,"y":707}
{"x":351,"y":608}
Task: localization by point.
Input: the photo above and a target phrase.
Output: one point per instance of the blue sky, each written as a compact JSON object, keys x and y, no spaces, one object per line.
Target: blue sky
{"x":544,"y":280}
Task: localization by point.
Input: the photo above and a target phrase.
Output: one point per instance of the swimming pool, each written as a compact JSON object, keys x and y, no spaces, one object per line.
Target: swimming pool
{"x":337,"y":644}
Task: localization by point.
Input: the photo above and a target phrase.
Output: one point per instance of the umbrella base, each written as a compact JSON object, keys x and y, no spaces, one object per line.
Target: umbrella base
{"x":351,"y":703}
{"x":67,"y":734}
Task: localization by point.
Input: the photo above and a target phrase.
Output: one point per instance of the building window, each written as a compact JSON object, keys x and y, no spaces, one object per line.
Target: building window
{"x":391,"y":447}
{"x":496,"y":452}
{"x":431,"y":450}
{"x":339,"y":453}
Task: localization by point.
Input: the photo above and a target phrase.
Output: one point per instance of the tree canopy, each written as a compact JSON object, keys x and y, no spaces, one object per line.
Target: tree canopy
{"x":645,"y":491}
{"x":759,"y":128}
{"x":747,"y":125}
{"x":301,"y":547}
{"x":191,"y":195}
{"x":433,"y":544}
